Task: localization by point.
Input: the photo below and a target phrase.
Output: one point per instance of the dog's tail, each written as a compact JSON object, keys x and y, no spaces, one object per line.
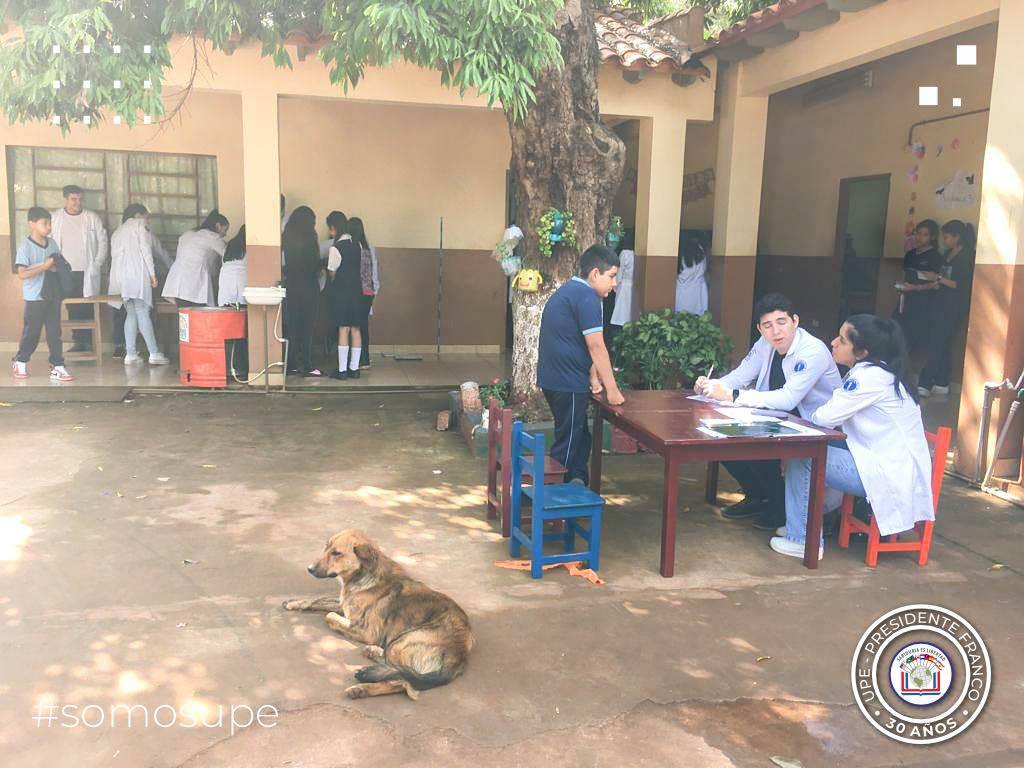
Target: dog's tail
{"x":420,"y":681}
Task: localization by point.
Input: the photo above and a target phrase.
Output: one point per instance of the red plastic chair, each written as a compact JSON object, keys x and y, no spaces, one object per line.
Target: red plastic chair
{"x":499,"y":463}
{"x":876,"y":542}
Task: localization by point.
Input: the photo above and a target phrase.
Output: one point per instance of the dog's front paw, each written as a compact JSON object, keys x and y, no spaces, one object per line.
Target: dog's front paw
{"x":373,"y":652}
{"x":337,"y":621}
{"x":295,"y":604}
{"x":357,"y":692}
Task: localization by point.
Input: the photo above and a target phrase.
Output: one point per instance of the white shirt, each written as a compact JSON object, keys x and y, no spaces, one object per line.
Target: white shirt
{"x":692,"y":289}
{"x":192,"y":274}
{"x":83,"y":240}
{"x":131,"y":261}
{"x":886,"y":438}
{"x":811,"y":376}
{"x":231,"y":286}
{"x":623,"y":311}
{"x":334,"y":256}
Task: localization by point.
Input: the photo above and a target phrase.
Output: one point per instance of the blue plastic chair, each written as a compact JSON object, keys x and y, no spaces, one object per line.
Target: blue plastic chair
{"x":563,"y":501}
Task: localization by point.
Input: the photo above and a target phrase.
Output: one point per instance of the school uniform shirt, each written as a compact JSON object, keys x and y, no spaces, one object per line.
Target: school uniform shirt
{"x":192,"y":274}
{"x":955,"y":301}
{"x":886,"y":439}
{"x":915,"y":261}
{"x":131,"y":262}
{"x":29,"y":254}
{"x":82,"y":240}
{"x":623,"y":311}
{"x":692,"y":289}
{"x":811,"y":376}
{"x":572,"y":313}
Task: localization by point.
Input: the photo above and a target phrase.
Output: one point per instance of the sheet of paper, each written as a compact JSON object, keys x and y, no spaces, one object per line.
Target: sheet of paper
{"x":738,"y":413}
{"x":702,"y":399}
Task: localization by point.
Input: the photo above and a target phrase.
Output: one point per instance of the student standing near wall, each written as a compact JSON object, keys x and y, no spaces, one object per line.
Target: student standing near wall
{"x":920,"y":265}
{"x":952,"y":286}
{"x":348,"y":307}
{"x":301,"y":267}
{"x":82,"y":240}
{"x":36,"y":256}
{"x":370,"y":278}
{"x":573,"y":361}
{"x":691,"y":280}
{"x":191,"y":281}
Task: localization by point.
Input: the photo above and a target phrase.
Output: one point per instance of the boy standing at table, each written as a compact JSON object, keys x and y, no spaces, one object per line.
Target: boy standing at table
{"x":573,"y":361}
{"x":790,"y":370}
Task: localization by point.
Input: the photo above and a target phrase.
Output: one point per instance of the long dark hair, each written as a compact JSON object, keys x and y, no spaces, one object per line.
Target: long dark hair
{"x":300,"y":230}
{"x":691,"y":250}
{"x":882,"y":341}
{"x":963,"y":232}
{"x":236,"y":246}
{"x":354,"y":228}
{"x":213,"y":218}
{"x":933,"y":231}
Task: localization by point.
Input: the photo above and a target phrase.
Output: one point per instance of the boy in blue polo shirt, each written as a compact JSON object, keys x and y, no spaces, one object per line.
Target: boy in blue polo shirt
{"x":573,"y":360}
{"x":34,"y":259}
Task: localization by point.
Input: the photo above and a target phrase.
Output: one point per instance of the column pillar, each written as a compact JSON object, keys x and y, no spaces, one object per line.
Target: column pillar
{"x":995,"y":346}
{"x":658,"y":191}
{"x":262,"y":189}
{"x":739,"y":167}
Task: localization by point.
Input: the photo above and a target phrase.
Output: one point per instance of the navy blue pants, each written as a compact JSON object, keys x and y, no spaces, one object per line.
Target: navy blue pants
{"x":572,"y":433}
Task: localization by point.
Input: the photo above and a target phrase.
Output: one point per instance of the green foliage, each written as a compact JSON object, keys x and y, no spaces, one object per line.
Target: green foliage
{"x":665,"y":349}
{"x":722,"y":14}
{"x":545,"y":227}
{"x":502,"y":390}
{"x":495,"y":46}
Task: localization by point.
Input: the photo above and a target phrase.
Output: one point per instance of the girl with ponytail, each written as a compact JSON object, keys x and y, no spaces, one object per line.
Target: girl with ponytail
{"x":952,"y":284}
{"x":885,"y":455}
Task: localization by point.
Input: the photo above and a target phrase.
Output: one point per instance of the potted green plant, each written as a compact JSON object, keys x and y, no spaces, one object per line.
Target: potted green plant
{"x":670,"y":350}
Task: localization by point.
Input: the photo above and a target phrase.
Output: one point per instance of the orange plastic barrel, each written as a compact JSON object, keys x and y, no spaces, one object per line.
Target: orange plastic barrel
{"x":202,"y":336}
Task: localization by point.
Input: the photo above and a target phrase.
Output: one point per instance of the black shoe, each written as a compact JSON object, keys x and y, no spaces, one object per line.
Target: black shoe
{"x":119,"y":352}
{"x":769,"y":520}
{"x":340,"y":375}
{"x":353,"y":374}
{"x":741,"y":510}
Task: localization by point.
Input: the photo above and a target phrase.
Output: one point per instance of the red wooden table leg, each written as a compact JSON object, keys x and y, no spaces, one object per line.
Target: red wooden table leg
{"x":711,"y":483}
{"x":668,"y":515}
{"x":597,"y":442}
{"x":815,"y":507}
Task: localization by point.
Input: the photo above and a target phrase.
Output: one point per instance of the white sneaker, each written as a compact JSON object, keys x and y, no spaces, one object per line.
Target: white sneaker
{"x":132,"y":359}
{"x":923,"y":392}
{"x":937,"y":390}
{"x":159,"y":359}
{"x":784,"y":546}
{"x":20,"y":370}
{"x":60,"y":373}
{"x":781,"y":531}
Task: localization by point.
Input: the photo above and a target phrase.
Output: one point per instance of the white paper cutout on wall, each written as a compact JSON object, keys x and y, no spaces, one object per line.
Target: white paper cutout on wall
{"x":958,"y":192}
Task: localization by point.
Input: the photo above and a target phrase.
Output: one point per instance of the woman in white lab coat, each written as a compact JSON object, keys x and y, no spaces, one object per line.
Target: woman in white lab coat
{"x":133,"y":278}
{"x":885,"y":456}
{"x":233,"y":272}
{"x":191,"y":281}
{"x":691,"y":280}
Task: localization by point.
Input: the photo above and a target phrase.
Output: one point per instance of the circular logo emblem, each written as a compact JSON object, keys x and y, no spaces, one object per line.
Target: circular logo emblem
{"x":799,"y":366}
{"x":939,"y":674}
{"x":850,"y":384}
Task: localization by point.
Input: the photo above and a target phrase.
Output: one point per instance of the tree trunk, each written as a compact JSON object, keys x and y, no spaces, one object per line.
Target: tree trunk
{"x":563,"y":157}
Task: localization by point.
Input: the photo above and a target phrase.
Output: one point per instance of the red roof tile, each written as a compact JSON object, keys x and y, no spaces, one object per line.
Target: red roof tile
{"x":625,"y":40}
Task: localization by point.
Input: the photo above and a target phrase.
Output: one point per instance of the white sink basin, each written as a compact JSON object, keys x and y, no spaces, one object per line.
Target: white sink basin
{"x":265,"y":296}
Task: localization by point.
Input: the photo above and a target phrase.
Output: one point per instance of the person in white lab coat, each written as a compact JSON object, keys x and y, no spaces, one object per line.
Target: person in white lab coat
{"x":133,"y":278}
{"x":82,"y":240}
{"x":233,"y":272}
{"x":691,"y":280}
{"x":191,"y":281}
{"x":885,"y":457}
{"x":791,"y":370}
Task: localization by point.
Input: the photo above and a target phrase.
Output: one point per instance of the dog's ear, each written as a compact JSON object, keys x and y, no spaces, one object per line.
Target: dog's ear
{"x":365,"y":552}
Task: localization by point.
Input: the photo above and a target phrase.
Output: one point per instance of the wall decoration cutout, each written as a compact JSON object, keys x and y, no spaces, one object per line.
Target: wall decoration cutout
{"x":958,"y":192}
{"x":697,"y":185}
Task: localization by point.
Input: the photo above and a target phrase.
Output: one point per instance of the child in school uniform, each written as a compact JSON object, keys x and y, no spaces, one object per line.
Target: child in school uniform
{"x":573,"y":361}
{"x":36,"y":256}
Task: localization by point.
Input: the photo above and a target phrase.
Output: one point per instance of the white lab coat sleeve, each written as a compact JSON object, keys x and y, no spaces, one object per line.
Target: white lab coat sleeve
{"x":159,"y":252}
{"x":146,"y":249}
{"x":797,"y":385}
{"x":846,"y":402}
{"x":102,"y":243}
{"x":744,"y":373}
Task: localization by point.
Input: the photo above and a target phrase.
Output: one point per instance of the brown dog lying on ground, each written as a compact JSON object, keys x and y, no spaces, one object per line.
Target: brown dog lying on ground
{"x":418,"y":638}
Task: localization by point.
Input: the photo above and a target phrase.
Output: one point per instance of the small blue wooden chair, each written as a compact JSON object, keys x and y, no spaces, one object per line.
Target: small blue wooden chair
{"x":568,"y":502}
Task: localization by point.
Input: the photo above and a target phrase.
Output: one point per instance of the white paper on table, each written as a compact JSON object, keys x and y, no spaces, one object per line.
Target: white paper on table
{"x":703,"y":399}
{"x":738,"y":413}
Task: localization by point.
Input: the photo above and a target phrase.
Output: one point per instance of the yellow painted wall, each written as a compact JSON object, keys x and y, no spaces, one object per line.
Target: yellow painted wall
{"x":701,"y":151}
{"x":400,"y":168}
{"x":809,"y":150}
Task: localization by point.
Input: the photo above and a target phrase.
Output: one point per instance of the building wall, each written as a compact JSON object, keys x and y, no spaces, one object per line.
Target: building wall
{"x":810,"y":149}
{"x":701,"y":150}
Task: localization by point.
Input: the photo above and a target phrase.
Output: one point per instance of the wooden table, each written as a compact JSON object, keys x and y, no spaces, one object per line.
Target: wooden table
{"x":665,"y":422}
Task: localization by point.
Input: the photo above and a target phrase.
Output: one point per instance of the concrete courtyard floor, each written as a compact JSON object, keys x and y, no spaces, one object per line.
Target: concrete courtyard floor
{"x":145,"y":548}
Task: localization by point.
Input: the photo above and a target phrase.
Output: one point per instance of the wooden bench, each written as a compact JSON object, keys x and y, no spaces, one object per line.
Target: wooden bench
{"x":95,"y":324}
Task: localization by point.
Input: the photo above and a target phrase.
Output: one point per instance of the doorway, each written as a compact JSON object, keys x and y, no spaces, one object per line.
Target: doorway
{"x":860,"y":240}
